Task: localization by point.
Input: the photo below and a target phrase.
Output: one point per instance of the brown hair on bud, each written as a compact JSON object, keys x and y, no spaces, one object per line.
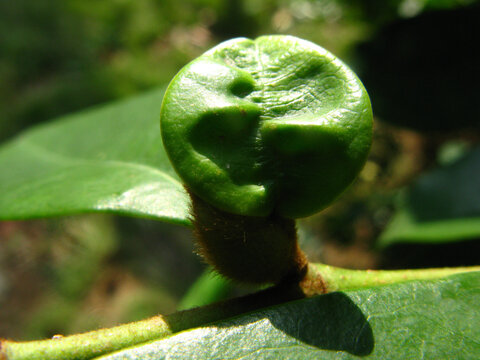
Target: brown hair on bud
{"x":248,"y":249}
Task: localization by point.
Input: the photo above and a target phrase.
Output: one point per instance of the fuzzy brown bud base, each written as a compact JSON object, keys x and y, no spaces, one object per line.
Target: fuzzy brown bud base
{"x":248,"y":249}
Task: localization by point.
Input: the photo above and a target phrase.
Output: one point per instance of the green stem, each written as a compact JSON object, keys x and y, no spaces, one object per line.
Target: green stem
{"x":338,"y":279}
{"x":96,"y":343}
{"x":320,"y":278}
{"x":87,"y":345}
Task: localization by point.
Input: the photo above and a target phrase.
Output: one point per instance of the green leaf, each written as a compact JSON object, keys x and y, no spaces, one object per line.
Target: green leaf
{"x":208,"y":288}
{"x":109,"y":159}
{"x":434,"y":319}
{"x":442,"y":206}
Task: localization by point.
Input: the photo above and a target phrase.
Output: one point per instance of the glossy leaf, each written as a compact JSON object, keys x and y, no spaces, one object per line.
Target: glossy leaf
{"x":442,"y":206}
{"x":108,"y":159}
{"x":434,"y":319}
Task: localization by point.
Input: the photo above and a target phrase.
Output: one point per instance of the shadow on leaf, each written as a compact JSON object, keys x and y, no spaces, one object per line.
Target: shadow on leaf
{"x":270,"y":320}
{"x":328,"y":322}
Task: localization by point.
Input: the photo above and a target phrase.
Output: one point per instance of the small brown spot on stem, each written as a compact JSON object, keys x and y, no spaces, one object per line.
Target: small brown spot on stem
{"x":3,"y":355}
{"x":313,"y":284}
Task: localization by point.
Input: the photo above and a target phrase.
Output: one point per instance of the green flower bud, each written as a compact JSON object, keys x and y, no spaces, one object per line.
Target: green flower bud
{"x":271,"y":125}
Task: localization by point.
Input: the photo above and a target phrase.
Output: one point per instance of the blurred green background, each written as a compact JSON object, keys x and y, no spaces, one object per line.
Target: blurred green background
{"x":417,"y":58}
